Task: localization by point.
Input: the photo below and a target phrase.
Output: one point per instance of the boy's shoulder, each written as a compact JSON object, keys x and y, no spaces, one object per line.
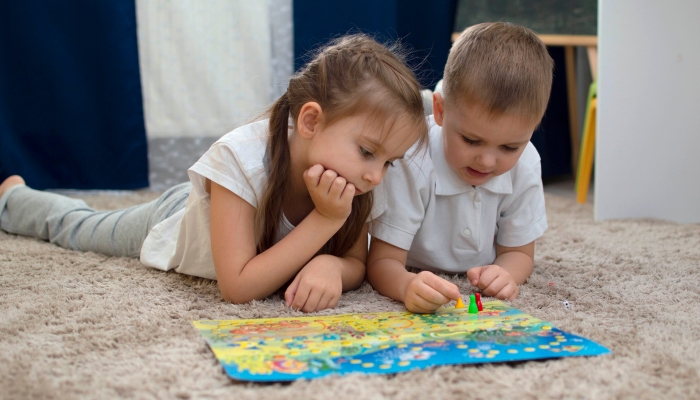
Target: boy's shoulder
{"x":529,"y":161}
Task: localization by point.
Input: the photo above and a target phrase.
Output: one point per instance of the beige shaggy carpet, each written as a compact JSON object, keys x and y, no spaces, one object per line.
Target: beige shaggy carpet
{"x":83,"y":325}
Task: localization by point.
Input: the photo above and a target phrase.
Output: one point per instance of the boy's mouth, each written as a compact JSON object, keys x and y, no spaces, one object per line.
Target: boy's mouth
{"x":477,"y":174}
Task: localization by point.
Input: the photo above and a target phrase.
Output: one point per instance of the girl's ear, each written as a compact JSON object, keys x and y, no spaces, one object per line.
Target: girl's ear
{"x":438,"y":108}
{"x":309,"y":119}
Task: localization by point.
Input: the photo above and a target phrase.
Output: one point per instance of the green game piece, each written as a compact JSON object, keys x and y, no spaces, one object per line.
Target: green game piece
{"x":473,"y":309}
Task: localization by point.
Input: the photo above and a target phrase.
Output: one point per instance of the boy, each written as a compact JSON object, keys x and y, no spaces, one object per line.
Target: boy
{"x":473,"y":202}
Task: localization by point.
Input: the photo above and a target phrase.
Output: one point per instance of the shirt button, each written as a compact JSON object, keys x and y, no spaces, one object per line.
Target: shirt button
{"x":467,"y":232}
{"x":472,"y":194}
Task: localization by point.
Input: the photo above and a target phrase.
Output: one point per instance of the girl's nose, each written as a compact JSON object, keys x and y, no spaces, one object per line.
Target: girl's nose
{"x":374,"y":176}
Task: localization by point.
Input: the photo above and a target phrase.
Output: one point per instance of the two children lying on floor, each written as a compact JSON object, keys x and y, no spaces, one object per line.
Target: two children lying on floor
{"x":288,"y":201}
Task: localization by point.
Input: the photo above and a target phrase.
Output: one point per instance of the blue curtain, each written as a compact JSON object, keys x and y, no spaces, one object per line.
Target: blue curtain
{"x":71,"y":113}
{"x":425,"y":26}
{"x":552,"y":138}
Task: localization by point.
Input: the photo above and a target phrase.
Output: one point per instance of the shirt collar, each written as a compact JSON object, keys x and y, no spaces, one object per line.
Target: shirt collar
{"x":448,"y":182}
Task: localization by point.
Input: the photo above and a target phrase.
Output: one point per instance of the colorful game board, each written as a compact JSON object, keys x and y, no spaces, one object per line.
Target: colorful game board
{"x":284,"y":349}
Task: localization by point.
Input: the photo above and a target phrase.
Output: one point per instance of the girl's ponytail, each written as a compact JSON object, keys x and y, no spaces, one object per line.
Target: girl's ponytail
{"x":277,"y":169}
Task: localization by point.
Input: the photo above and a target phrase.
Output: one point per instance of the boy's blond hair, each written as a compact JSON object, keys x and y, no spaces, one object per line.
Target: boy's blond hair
{"x":501,"y":67}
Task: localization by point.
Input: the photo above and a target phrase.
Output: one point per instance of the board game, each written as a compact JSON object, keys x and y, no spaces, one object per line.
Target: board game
{"x":285,"y":349}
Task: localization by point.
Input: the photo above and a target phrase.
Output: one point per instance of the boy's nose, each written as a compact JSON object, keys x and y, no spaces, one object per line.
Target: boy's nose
{"x":487,"y":159}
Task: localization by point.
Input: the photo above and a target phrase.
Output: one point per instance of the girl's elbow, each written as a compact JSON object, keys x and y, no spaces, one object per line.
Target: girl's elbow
{"x":232,"y":295}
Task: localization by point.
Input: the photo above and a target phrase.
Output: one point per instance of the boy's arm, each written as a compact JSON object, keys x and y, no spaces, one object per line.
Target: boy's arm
{"x":386,"y":269}
{"x":517,"y":261}
{"x":512,"y":267}
{"x":421,"y":293}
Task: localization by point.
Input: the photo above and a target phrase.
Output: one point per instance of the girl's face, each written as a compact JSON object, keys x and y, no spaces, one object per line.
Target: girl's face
{"x":361,"y":150}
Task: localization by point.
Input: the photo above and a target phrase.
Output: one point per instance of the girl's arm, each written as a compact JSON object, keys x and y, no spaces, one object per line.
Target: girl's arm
{"x":353,"y":262}
{"x":244,"y":276}
{"x":321,"y":282}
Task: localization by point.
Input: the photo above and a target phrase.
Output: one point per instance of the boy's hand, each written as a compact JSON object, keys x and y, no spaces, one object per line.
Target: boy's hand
{"x":316,"y":287}
{"x":493,"y":281}
{"x":332,"y":195}
{"x":426,"y":292}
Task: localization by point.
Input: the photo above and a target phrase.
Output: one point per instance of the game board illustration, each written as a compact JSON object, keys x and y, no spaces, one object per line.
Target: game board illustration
{"x":284,"y":349}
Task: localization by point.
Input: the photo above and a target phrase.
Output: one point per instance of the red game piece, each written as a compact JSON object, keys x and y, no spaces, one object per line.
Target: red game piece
{"x":478,"y":302}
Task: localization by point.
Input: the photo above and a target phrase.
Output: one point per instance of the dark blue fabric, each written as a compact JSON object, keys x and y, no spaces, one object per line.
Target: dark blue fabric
{"x":552,"y":138}
{"x":71,"y":113}
{"x":425,"y":26}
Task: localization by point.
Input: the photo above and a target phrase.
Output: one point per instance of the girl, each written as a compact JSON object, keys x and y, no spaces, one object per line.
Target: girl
{"x":278,"y":200}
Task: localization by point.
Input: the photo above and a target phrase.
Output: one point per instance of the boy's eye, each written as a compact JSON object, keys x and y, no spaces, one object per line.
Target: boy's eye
{"x":510,"y":149}
{"x":389,"y":164}
{"x":365,"y":152}
{"x":471,"y":142}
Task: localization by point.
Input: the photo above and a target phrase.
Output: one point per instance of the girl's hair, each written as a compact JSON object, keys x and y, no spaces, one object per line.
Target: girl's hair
{"x":352,"y":75}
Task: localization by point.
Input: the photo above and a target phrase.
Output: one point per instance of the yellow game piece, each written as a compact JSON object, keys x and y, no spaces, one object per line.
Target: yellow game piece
{"x":459,"y":303}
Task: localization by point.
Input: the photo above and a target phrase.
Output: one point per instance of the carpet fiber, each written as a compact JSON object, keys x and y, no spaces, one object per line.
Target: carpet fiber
{"x":84,"y":325}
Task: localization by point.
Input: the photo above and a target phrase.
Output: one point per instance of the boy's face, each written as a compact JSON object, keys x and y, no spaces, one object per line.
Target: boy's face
{"x":478,"y":147}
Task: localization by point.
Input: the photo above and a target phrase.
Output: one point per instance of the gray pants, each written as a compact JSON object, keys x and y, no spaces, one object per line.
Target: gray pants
{"x":70,"y":223}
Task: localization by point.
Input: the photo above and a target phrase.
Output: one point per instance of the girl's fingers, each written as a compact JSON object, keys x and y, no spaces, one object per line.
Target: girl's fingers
{"x":334,"y":302}
{"x":290,"y":293}
{"x":337,"y":187}
{"x":348,"y":192}
{"x":312,"y":175}
{"x":325,"y":302}
{"x":327,"y":180}
{"x":311,"y":301}
{"x":300,"y":297}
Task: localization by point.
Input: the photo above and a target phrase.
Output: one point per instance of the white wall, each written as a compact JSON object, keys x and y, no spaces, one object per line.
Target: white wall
{"x":648,"y":122}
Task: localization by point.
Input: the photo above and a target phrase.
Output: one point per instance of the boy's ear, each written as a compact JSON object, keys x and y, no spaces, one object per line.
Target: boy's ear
{"x":309,"y":119}
{"x":438,"y":108}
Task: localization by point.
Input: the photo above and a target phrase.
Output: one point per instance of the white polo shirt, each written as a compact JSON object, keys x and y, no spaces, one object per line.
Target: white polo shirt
{"x":450,"y":226}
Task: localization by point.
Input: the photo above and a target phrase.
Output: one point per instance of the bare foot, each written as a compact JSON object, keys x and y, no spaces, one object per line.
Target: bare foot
{"x":13,"y":180}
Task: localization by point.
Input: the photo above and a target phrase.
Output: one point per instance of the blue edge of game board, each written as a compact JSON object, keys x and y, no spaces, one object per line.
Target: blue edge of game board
{"x":450,"y":358}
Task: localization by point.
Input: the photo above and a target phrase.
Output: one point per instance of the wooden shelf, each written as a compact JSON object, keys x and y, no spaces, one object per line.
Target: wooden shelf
{"x":560,"y":40}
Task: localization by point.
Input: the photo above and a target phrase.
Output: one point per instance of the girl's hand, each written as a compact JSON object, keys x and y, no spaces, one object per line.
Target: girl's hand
{"x":493,"y":281}
{"x":317,"y":286}
{"x":426,"y":292}
{"x":332,"y":195}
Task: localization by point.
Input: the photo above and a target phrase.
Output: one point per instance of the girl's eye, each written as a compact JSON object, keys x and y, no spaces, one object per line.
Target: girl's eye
{"x":389,"y":164}
{"x":365,"y":152}
{"x":471,"y":142}
{"x":510,"y":149}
